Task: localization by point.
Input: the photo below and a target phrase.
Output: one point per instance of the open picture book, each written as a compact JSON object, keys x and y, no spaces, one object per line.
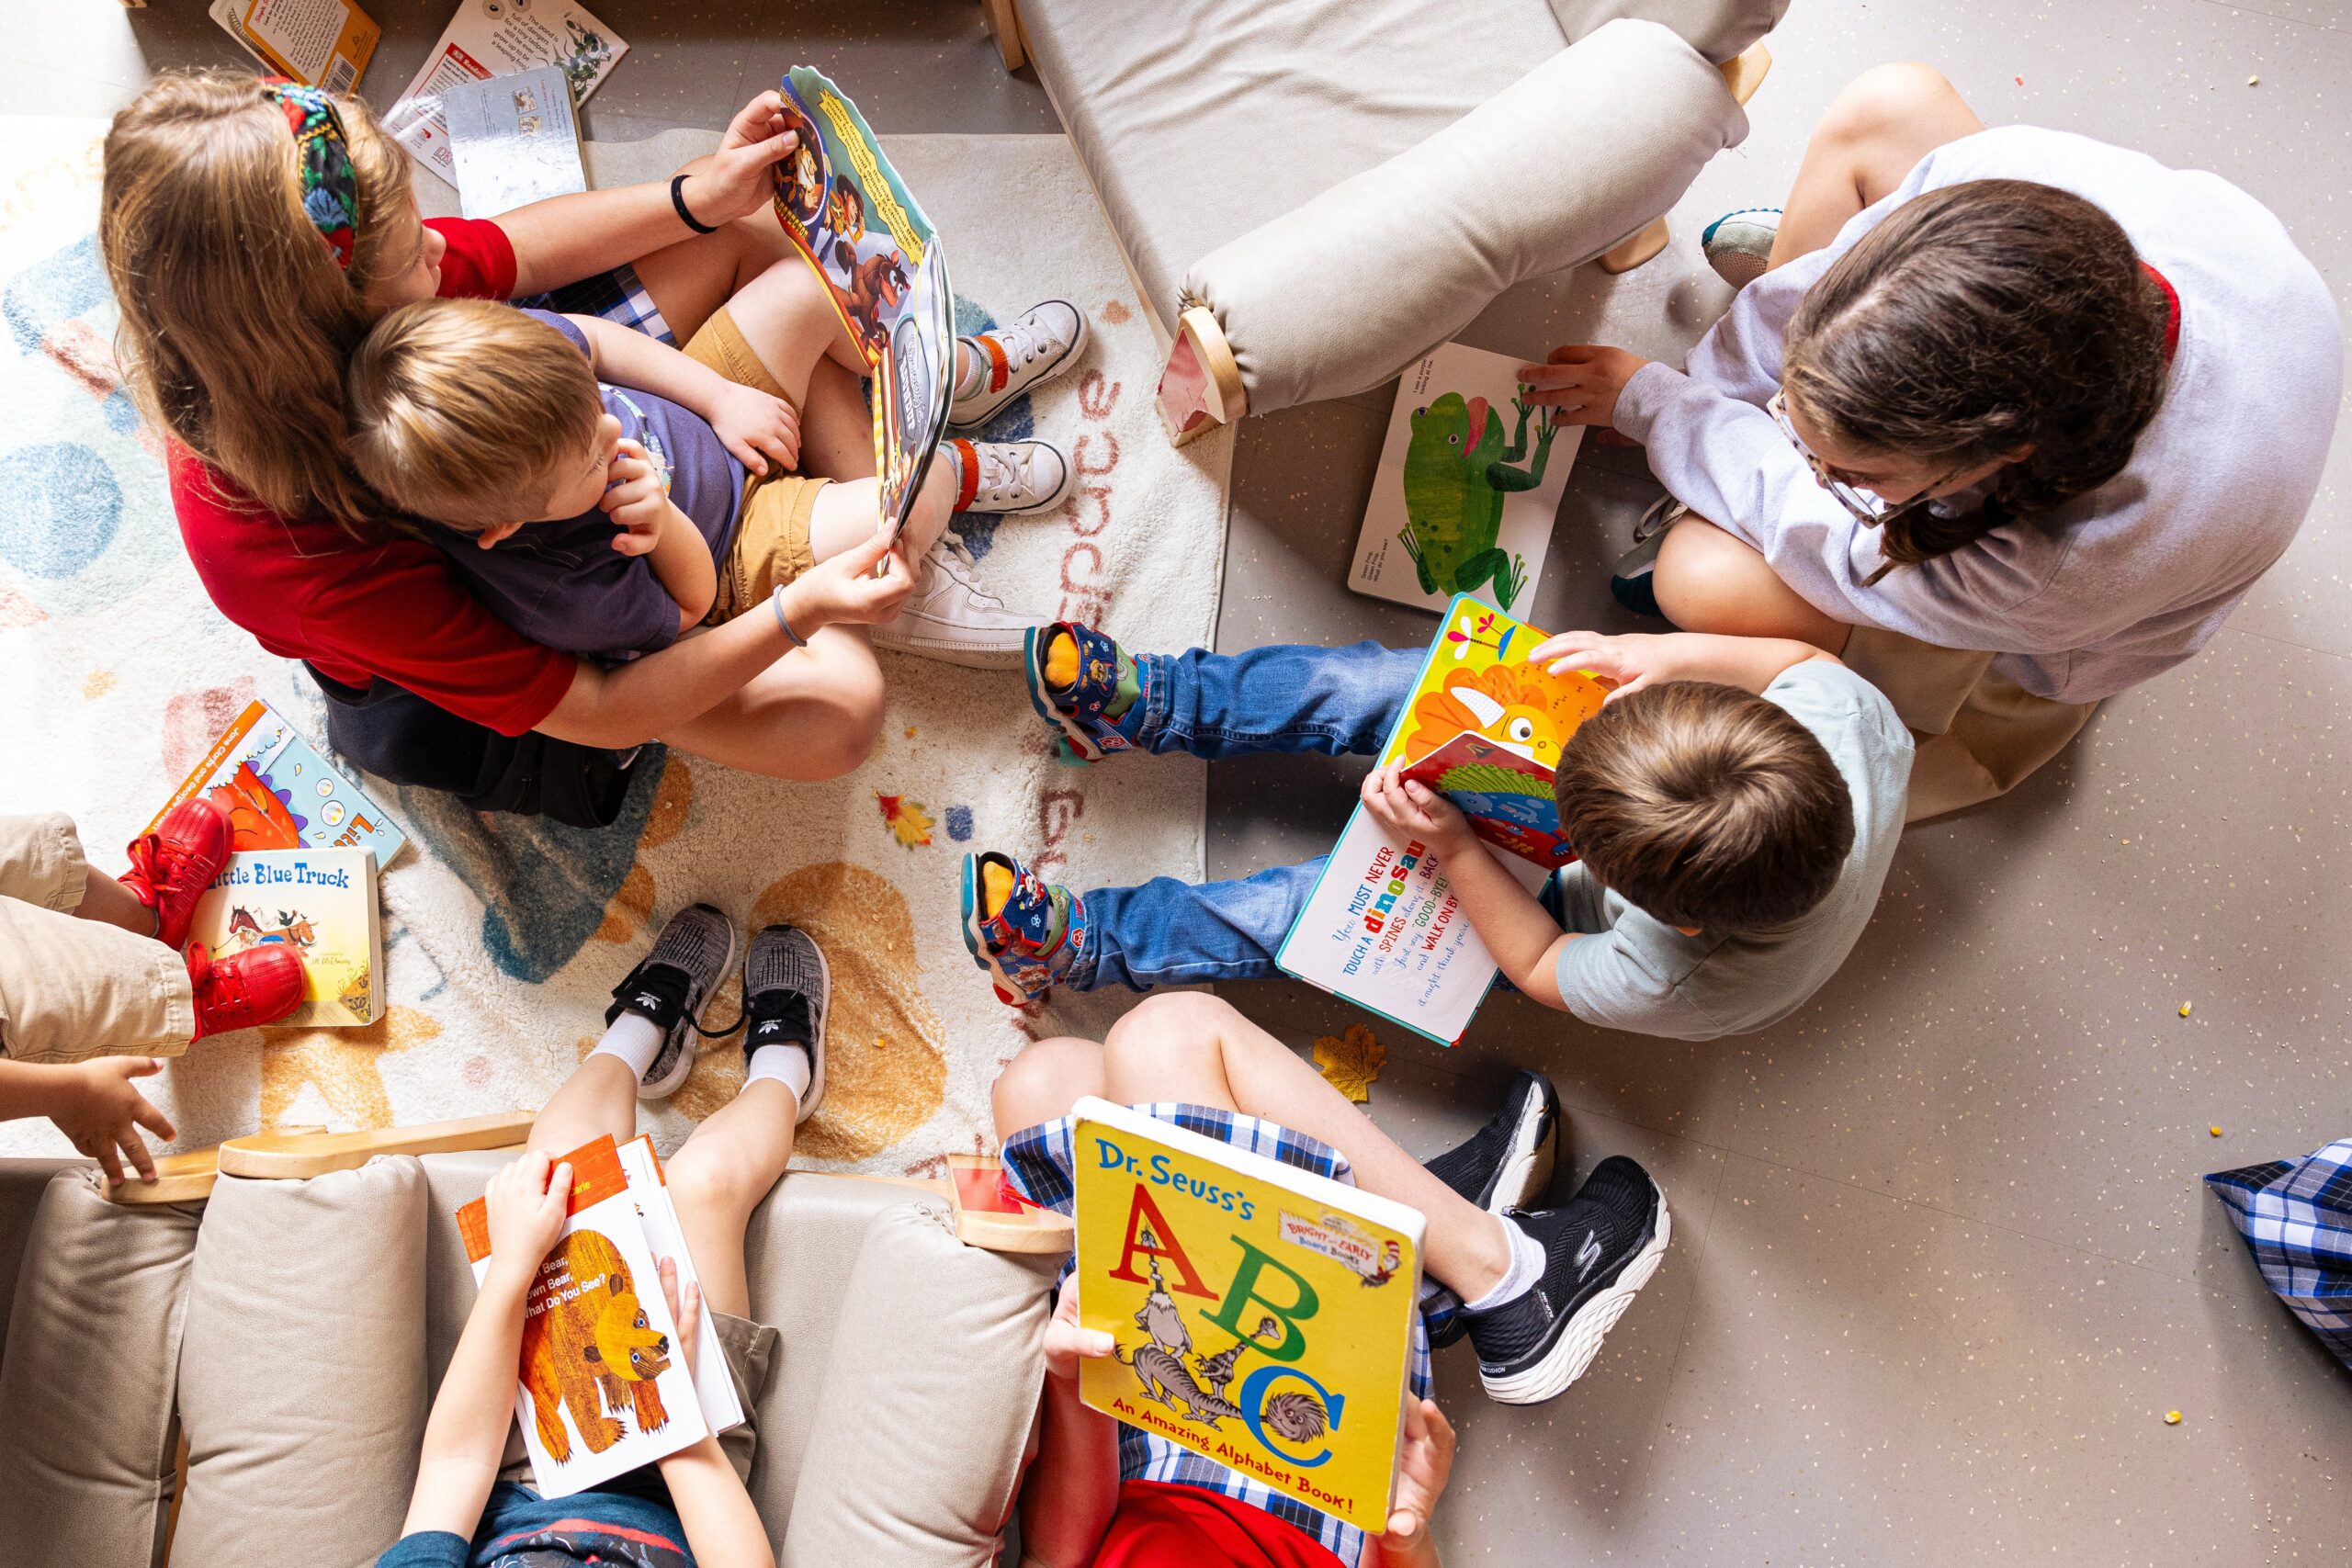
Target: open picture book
{"x":1382,"y":927}
{"x":600,"y":1389}
{"x":281,"y":793}
{"x":320,"y":903}
{"x":1263,"y":1315}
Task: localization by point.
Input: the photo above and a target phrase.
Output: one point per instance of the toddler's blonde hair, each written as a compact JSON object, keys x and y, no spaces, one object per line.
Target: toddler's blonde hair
{"x":461,"y":411}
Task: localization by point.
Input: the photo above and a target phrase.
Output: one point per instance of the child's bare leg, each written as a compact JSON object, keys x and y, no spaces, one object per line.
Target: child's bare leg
{"x":836,"y":424}
{"x":813,"y":714}
{"x":847,"y":512}
{"x":722,"y":1174}
{"x":1183,"y":1045}
{"x":690,"y":280}
{"x":600,"y":1097}
{"x":105,"y":899}
{"x":1045,"y":1081}
{"x":1874,"y":132}
{"x":1707,"y":580}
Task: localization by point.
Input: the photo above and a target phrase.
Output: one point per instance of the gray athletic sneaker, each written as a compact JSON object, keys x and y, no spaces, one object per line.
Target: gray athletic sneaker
{"x":669,"y":985}
{"x":785,"y":987}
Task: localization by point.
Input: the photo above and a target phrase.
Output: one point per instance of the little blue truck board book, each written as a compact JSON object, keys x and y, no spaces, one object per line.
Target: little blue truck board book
{"x":321,"y":903}
{"x":1262,"y":1314}
{"x":1469,"y":482}
{"x":1381,"y":926}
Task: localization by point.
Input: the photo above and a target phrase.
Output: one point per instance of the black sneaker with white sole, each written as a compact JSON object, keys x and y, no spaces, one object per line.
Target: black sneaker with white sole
{"x":1504,"y":1165}
{"x":786,"y":988}
{"x":1600,"y":1249}
{"x":669,"y":985}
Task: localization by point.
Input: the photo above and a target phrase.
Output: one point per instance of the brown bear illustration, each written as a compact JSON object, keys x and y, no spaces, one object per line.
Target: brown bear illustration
{"x":591,"y":1349}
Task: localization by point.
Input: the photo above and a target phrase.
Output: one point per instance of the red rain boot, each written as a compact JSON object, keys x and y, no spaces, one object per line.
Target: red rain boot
{"x":171,"y":867}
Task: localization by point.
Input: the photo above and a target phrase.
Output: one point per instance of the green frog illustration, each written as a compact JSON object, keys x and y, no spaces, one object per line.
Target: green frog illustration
{"x":1456,"y":473}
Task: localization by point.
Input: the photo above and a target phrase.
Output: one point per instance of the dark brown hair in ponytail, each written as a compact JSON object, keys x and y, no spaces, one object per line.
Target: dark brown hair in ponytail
{"x":1974,"y":319}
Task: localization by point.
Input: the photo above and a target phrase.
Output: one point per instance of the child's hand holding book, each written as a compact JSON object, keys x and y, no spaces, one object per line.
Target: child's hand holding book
{"x":1410,"y":807}
{"x":527,"y":1199}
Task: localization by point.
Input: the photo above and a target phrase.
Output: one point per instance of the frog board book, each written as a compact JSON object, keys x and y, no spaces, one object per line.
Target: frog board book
{"x":322,"y":903}
{"x":1381,"y":928}
{"x":280,"y":794}
{"x":1263,"y":1315}
{"x":1469,"y":481}
{"x":599,"y":1388}
{"x":853,"y":219}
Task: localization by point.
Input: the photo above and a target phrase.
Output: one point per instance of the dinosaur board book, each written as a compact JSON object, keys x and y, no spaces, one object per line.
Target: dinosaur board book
{"x":599,"y":1389}
{"x":322,"y":903}
{"x":1470,"y":479}
{"x":1381,"y":926}
{"x":1263,"y":1315}
{"x":280,"y":794}
{"x":853,"y":219}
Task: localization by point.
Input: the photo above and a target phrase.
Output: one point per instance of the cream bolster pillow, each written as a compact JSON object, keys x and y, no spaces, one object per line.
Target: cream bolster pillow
{"x":1344,"y":292}
{"x":1716,"y":29}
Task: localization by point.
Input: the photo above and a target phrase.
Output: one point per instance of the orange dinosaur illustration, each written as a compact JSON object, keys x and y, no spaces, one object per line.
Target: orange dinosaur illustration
{"x":1517,"y":705}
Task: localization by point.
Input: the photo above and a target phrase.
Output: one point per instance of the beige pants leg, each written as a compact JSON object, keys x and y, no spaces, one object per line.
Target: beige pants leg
{"x":1979,"y":734}
{"x":71,"y":989}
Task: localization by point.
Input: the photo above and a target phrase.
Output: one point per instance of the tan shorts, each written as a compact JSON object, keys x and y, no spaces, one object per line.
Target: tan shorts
{"x":750,"y":1351}
{"x":772,"y":530}
{"x":1979,"y":734}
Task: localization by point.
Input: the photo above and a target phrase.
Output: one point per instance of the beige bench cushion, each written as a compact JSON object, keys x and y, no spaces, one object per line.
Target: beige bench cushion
{"x":93,"y":1347}
{"x":22,"y":1182}
{"x":1718,"y":29}
{"x":302,"y":1387}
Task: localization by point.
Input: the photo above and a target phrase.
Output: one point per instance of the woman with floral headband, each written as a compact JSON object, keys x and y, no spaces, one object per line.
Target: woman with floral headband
{"x":2010,"y":420}
{"x":253,"y":230}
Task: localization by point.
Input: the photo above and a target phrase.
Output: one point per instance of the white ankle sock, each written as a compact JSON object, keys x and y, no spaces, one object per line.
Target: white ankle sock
{"x":976,"y":375}
{"x":636,"y":1040}
{"x":788,"y":1065}
{"x":1526,"y":1268}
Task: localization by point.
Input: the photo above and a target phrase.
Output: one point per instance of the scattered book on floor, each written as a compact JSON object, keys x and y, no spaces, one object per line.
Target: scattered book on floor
{"x":513,"y":140}
{"x":280,"y":794}
{"x":1263,"y":1316}
{"x":321,"y":903}
{"x":498,"y":38}
{"x":1382,"y":927}
{"x":853,"y":219}
{"x":1469,"y":482}
{"x":320,"y":43}
{"x":600,"y":1388}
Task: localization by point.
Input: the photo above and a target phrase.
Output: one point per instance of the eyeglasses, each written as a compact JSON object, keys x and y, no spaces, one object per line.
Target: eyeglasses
{"x":1867,"y":507}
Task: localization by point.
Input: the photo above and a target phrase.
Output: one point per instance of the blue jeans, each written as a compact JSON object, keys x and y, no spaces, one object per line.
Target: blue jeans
{"x":1335,"y":701}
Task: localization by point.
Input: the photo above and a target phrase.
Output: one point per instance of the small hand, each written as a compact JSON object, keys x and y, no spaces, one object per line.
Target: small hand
{"x":1581,"y":382}
{"x":1412,"y":809}
{"x":636,"y":498}
{"x":102,"y":1113}
{"x":527,"y":1200}
{"x":740,"y":179}
{"x":1424,"y":1460}
{"x":762,"y":432}
{"x":1067,"y":1344}
{"x":1632,"y":661}
{"x":844,"y":589}
{"x":685,"y":1311}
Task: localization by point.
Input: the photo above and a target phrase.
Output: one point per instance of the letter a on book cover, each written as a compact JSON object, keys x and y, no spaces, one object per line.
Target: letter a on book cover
{"x":1263,"y":1315}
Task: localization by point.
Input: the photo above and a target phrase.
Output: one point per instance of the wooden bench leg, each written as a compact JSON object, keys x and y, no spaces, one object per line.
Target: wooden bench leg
{"x":1627,"y":254}
{"x":1004,"y":22}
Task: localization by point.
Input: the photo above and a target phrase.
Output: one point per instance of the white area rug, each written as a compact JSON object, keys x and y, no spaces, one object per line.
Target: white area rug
{"x":504,"y":936}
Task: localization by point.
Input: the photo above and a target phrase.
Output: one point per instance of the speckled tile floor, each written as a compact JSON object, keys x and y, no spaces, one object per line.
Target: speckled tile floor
{"x":1942,"y":1258}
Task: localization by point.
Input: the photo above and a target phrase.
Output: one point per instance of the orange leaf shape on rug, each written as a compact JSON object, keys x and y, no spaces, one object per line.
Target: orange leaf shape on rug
{"x":910,"y":820}
{"x":342,"y":1062}
{"x":1350,"y":1062}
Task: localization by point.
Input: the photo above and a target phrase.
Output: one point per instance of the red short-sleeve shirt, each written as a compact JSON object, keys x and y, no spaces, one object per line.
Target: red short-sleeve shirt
{"x":382,"y":605}
{"x":1163,"y":1526}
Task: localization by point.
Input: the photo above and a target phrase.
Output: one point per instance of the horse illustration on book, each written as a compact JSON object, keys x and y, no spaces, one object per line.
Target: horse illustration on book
{"x":590,"y":1348}
{"x":1457,"y":471}
{"x":294,"y":929}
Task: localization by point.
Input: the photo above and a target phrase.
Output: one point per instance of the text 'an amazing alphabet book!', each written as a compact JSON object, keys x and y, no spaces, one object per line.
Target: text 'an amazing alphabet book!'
{"x":1262,"y":1314}
{"x":321,"y":903}
{"x":1382,"y":927}
{"x":600,"y":1390}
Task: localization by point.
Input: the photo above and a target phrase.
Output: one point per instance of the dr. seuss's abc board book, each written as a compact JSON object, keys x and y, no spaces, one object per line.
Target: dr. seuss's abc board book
{"x":321,"y":903}
{"x":600,"y":1389}
{"x":281,"y":795}
{"x":1263,"y":1316}
{"x":1382,"y":927}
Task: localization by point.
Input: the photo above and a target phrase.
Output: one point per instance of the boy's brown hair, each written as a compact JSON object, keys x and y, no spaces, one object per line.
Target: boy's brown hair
{"x":1705,"y":806}
{"x":462,"y":410}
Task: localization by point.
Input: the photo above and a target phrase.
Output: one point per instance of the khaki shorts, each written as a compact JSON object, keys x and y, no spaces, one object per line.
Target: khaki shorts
{"x":772,"y":530}
{"x":751,"y":1350}
{"x":1979,"y":734}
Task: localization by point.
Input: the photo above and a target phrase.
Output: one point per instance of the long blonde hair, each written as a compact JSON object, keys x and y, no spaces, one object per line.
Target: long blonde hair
{"x":236,"y":320}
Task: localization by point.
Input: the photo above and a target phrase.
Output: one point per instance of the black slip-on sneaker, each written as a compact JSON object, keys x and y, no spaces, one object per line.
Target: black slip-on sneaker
{"x":1504,"y":1165}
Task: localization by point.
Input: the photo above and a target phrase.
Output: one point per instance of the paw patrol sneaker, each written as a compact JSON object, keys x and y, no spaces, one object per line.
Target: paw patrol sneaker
{"x":1025,"y":352}
{"x":786,"y":988}
{"x":1024,"y":930}
{"x":669,"y":986}
{"x":1085,"y":689}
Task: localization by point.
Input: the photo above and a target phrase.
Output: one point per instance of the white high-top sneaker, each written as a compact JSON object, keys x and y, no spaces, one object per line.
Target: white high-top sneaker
{"x":950,"y":617}
{"x":1036,"y":346}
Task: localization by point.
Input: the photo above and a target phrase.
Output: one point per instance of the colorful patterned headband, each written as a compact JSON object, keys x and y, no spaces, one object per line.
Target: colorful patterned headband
{"x":330,"y":188}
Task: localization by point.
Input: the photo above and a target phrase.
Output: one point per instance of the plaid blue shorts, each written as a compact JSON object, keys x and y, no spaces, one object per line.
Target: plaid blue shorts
{"x":617,"y":296}
{"x":2296,"y":1216}
{"x":1038,"y":1162}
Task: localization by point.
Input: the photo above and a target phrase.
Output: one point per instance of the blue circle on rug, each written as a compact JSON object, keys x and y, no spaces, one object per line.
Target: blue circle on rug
{"x":59,"y":508}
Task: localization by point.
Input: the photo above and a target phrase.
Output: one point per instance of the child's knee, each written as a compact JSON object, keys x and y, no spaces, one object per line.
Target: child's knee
{"x":702,"y":1181}
{"x":855,"y":707}
{"x":1167,"y":1030}
{"x":1882,"y":101}
{"x":1043,"y":1081}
